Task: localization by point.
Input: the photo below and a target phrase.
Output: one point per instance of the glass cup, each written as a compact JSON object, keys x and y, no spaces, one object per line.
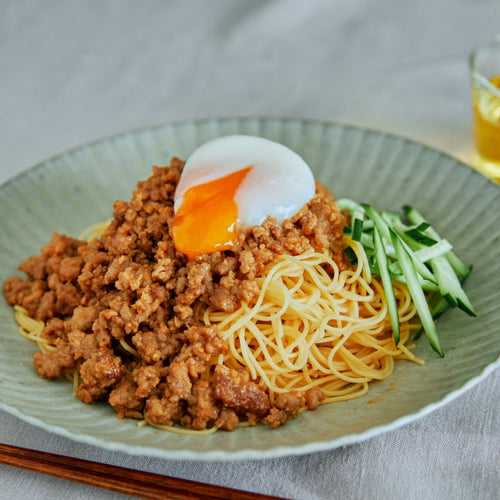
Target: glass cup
{"x":485,"y":74}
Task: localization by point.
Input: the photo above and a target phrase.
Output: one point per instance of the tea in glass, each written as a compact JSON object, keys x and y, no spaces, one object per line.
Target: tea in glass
{"x":485,"y":71}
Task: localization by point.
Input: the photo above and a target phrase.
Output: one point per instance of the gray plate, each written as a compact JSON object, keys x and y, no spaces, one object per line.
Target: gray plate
{"x":76,"y":189}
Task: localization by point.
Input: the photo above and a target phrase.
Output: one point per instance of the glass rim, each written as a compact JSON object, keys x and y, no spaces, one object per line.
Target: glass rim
{"x":483,"y":80}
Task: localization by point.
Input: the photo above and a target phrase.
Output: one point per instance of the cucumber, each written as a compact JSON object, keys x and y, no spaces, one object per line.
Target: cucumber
{"x":414,"y":253}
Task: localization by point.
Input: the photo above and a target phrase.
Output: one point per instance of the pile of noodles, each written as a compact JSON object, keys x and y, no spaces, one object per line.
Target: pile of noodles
{"x":315,"y":326}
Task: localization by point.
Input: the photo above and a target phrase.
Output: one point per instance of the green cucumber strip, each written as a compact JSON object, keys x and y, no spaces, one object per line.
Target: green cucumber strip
{"x":357,"y":229}
{"x":427,"y":253}
{"x":426,"y":285}
{"x":419,"y":266}
{"x":346,"y":204}
{"x":367,"y":225}
{"x":417,"y":293}
{"x":390,"y":217}
{"x":438,"y":306}
{"x":387,"y":283}
{"x":351,"y":255}
{"x":367,"y":241}
{"x":420,"y":237}
{"x":450,"y":286}
{"x":357,"y":217}
{"x":413,"y":241}
{"x":410,"y":245}
{"x":461,"y":270}
{"x":379,"y":222}
{"x":384,"y":227}
{"x":415,"y":217}
{"x":422,"y":227}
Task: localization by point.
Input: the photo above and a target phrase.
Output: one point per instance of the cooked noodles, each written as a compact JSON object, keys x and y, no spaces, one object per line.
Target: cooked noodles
{"x":313,"y":326}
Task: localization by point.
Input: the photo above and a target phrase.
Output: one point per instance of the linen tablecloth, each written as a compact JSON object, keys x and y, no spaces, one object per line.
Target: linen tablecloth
{"x":74,"y":71}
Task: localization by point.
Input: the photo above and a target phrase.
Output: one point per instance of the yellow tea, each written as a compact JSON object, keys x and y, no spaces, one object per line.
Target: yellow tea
{"x":486,"y":107}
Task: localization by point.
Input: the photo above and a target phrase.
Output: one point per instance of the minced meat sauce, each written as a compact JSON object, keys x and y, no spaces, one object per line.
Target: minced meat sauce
{"x":131,"y":287}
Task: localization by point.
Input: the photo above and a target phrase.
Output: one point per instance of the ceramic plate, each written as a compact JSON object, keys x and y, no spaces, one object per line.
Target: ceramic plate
{"x":76,"y":189}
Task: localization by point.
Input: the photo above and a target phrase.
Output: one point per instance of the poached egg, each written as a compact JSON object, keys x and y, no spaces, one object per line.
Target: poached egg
{"x":232,"y":182}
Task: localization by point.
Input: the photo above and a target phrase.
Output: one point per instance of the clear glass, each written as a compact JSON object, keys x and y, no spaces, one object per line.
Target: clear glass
{"x":485,"y":81}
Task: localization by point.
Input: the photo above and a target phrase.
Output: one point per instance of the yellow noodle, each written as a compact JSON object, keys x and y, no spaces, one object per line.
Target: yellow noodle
{"x":94,"y":231}
{"x":180,"y":430}
{"x":128,"y":348}
{"x":31,"y":329}
{"x":309,"y":328}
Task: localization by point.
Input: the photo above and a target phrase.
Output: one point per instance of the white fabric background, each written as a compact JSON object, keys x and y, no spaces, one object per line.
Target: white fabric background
{"x":74,"y":71}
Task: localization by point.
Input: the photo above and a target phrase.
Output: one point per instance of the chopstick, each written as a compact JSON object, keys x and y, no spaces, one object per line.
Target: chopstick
{"x":119,"y":479}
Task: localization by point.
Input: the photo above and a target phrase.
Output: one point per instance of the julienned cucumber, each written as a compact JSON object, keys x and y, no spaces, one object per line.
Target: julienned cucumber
{"x":411,"y":252}
{"x":385,"y":274}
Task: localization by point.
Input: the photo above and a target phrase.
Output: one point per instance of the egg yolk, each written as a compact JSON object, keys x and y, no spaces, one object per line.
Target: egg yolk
{"x":206,"y":220}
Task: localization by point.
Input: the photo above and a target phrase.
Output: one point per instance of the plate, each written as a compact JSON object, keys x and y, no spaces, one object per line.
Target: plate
{"x":76,"y":189}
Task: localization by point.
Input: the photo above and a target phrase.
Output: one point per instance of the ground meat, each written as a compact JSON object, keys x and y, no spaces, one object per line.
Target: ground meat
{"x":54,"y":364}
{"x":124,"y":310}
{"x":202,"y":405}
{"x":123,"y":398}
{"x":90,"y":393}
{"x":50,"y":289}
{"x":235,"y":390}
{"x":102,"y":368}
{"x":155,"y":346}
{"x":82,"y":344}
{"x":147,"y":378}
{"x":178,"y":380}
{"x":314,"y":396}
{"x":223,"y":300}
{"x":289,"y":404}
{"x":55,"y":329}
{"x":84,"y":317}
{"x":163,"y":410}
{"x":227,"y":420}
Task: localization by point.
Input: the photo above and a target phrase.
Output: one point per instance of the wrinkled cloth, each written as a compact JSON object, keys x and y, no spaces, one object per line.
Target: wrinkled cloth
{"x":74,"y":71}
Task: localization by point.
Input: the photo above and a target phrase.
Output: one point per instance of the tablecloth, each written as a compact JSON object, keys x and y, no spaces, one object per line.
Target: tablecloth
{"x":74,"y":71}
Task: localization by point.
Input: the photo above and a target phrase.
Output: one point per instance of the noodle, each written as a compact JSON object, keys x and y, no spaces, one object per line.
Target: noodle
{"x":179,"y":430}
{"x":93,"y":231}
{"x":31,"y":329}
{"x":313,"y":328}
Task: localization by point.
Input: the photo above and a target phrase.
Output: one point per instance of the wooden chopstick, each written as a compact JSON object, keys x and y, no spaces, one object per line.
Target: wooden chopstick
{"x":119,"y":479}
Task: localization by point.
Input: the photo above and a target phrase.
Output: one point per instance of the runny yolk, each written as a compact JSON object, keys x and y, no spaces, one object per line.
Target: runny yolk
{"x":207,"y":219}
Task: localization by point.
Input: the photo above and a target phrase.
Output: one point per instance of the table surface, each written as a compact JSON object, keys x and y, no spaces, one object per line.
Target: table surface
{"x":74,"y":71}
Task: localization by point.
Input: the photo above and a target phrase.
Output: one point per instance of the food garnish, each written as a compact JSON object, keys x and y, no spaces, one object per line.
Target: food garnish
{"x":412,"y":252}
